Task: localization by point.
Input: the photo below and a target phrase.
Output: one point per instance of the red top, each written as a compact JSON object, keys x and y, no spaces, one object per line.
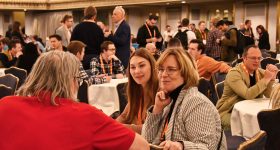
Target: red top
{"x":27,"y":123}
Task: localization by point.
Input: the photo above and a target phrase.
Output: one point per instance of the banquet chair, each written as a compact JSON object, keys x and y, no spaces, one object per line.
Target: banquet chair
{"x":122,"y":96}
{"x":267,"y":61}
{"x":219,"y":87}
{"x":5,"y":91}
{"x":269,"y":121}
{"x":257,"y":142}
{"x":83,"y":92}
{"x":9,"y":81}
{"x":236,"y":61}
{"x":233,"y":142}
{"x":218,"y":77}
{"x":18,"y":72}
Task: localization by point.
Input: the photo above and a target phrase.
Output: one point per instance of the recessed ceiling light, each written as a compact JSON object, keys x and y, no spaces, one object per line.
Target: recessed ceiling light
{"x":167,"y":3}
{"x":183,"y":2}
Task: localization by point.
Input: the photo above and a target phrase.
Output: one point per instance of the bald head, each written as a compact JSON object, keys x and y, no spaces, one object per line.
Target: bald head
{"x":151,"y":48}
{"x":118,"y":14}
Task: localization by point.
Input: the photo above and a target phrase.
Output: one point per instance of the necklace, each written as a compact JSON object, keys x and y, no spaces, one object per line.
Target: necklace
{"x":110,"y":66}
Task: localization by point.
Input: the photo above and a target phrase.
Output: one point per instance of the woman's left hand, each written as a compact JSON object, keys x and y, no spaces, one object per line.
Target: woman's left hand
{"x":169,"y":145}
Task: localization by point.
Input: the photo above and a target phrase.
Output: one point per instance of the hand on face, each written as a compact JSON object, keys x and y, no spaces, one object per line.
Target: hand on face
{"x":18,"y":54}
{"x":113,"y":56}
{"x":161,"y":101}
{"x":169,"y":145}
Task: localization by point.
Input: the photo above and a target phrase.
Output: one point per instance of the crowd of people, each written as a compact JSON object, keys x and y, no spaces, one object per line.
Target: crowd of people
{"x":164,"y":106}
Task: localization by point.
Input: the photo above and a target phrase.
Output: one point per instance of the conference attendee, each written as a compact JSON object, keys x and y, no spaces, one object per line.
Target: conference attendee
{"x":247,"y":31}
{"x":48,"y":110}
{"x":202,"y":32}
{"x":10,"y":57}
{"x":184,"y":34}
{"x":167,"y":35}
{"x":89,"y":33}
{"x":174,"y":42}
{"x":263,"y":38}
{"x":182,"y":117}
{"x":16,"y":33}
{"x":65,"y":30}
{"x":107,"y":63}
{"x":56,"y":43}
{"x":121,"y":35}
{"x":151,"y":48}
{"x":141,"y":89}
{"x":4,"y":42}
{"x":29,"y":57}
{"x":78,"y":49}
{"x":214,"y":49}
{"x":228,"y":41}
{"x":244,"y":82}
{"x":149,"y":33}
{"x":206,"y":66}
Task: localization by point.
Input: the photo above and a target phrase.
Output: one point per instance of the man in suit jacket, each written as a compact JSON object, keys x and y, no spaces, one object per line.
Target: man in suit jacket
{"x":121,"y":35}
{"x":64,"y":31}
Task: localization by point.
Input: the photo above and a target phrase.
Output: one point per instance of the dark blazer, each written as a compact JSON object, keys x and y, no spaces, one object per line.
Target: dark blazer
{"x":121,"y":39}
{"x":264,"y":41}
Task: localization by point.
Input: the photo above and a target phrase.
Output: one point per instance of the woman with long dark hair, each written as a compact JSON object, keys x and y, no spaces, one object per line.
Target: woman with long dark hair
{"x":263,"y":38}
{"x":141,"y":89}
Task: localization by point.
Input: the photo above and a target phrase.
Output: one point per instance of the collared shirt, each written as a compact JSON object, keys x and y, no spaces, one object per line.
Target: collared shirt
{"x":90,"y":79}
{"x":117,"y":25}
{"x":96,"y":67}
{"x":213,"y":49}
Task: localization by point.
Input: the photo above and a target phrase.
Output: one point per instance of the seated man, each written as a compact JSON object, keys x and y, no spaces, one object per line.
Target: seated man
{"x":9,"y":58}
{"x":107,"y":63}
{"x":78,"y":49}
{"x":45,"y":114}
{"x":245,"y":81}
{"x":56,"y":43}
{"x":206,"y":66}
{"x":151,"y":48}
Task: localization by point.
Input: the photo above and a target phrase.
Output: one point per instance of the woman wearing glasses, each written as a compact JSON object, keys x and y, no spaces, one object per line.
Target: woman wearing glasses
{"x":141,"y":89}
{"x":182,"y":118}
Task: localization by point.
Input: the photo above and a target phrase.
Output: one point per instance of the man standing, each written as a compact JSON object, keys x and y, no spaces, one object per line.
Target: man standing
{"x":248,"y":33}
{"x":167,"y":35}
{"x":245,"y":81}
{"x":149,"y":33}
{"x":89,"y":33}
{"x":228,"y":41}
{"x":121,"y":35}
{"x":213,"y":49}
{"x":206,"y":66}
{"x":9,"y":58}
{"x":64,"y":31}
{"x":202,"y":32}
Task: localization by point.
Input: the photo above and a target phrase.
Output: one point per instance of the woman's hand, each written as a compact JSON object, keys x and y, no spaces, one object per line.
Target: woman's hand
{"x":169,"y":145}
{"x":161,"y":101}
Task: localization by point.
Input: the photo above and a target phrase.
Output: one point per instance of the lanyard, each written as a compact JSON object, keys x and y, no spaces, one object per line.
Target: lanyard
{"x":247,"y":72}
{"x":110,"y":66}
{"x":150,"y":33}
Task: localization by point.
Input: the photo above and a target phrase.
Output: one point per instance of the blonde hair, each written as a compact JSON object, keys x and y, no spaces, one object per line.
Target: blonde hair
{"x":187,"y":66}
{"x":53,"y":72}
{"x":275,"y":97}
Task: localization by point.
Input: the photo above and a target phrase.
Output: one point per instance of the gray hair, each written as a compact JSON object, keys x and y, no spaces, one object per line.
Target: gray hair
{"x":120,"y":9}
{"x":53,"y":72}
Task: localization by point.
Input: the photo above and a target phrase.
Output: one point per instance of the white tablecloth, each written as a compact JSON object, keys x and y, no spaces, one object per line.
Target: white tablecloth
{"x":105,"y":96}
{"x":244,"y":121}
{"x":2,"y":73}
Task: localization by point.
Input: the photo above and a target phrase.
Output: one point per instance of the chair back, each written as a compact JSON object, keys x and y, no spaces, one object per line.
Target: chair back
{"x":219,"y":87}
{"x":122,"y":96}
{"x":9,"y":81}
{"x":267,"y":61}
{"x":218,"y":77}
{"x":204,"y":86}
{"x":18,"y":72}
{"x":257,"y":142}
{"x":5,"y":91}
{"x":236,"y":61}
{"x":269,"y":121}
{"x":83,"y":92}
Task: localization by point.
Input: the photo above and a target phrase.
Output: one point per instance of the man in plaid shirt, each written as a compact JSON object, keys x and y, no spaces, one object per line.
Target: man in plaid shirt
{"x":107,"y":63}
{"x":213,"y":49}
{"x":78,"y":49}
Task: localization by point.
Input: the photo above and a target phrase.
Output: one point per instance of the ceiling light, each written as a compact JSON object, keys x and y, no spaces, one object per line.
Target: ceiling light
{"x":183,"y":2}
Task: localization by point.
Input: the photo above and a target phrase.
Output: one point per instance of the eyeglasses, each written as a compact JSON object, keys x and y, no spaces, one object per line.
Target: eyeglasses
{"x":255,"y":58}
{"x":169,"y":70}
{"x":112,"y":49}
